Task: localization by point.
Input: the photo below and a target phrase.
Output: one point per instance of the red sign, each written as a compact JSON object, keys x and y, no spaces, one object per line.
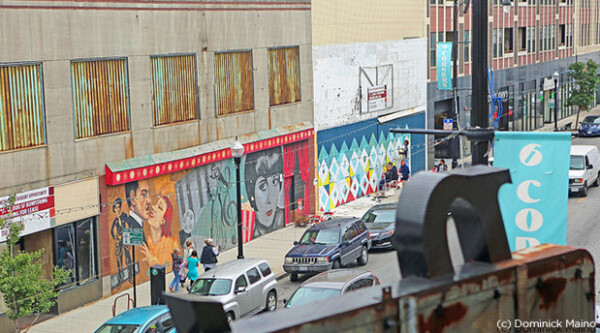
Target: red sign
{"x":35,"y":209}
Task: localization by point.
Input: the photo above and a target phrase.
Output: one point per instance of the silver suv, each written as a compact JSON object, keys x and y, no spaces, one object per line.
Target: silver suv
{"x":244,"y":287}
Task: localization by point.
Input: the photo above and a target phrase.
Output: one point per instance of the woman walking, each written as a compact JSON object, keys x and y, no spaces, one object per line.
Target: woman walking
{"x":192,"y":265}
{"x":177,"y":261}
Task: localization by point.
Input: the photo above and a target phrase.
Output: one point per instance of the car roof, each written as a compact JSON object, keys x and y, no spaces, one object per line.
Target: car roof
{"x":232,"y":268}
{"x":334,"y":223}
{"x":138,"y":316}
{"x":334,"y":279}
{"x":387,"y":206}
{"x":581,"y":149}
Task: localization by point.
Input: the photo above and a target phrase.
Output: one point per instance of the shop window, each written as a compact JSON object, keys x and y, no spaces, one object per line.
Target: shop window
{"x":74,"y":250}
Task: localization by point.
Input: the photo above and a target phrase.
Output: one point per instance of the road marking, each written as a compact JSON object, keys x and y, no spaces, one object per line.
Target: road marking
{"x":580,"y":200}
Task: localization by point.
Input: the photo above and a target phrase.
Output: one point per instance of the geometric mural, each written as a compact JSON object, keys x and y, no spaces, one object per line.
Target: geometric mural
{"x":353,"y":168}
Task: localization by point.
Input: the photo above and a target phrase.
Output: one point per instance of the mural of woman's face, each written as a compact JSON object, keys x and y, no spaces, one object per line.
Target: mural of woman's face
{"x":266,"y":196}
{"x":157,"y":213}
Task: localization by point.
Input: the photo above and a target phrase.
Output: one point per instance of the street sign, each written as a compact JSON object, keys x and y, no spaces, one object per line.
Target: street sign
{"x":133,"y":236}
{"x":448,"y":124}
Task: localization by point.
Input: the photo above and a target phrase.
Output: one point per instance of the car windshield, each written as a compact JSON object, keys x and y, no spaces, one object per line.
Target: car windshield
{"x":310,"y":294}
{"x":211,"y":287}
{"x":577,"y":163}
{"x":380,"y":216}
{"x":589,"y":120}
{"x":117,"y":328}
{"x":322,"y":237}
{"x":597,"y":121}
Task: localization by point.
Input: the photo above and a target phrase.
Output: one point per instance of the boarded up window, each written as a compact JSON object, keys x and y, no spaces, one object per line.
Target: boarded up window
{"x":284,"y":76}
{"x":174,"y":89}
{"x":233,"y":81}
{"x":100,"y":97}
{"x":22,"y":121}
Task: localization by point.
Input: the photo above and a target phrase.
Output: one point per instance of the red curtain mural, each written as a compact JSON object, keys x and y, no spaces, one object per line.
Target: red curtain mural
{"x":289,"y":162}
{"x":305,"y":172}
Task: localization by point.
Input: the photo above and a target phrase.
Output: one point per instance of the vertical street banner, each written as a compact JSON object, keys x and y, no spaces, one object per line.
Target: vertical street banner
{"x":534,"y":206}
{"x":444,"y":66}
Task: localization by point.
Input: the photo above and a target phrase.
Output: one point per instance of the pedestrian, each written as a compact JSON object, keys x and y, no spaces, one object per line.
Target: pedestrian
{"x":209,"y":255}
{"x":442,"y":166}
{"x":390,"y":175}
{"x":404,"y":171}
{"x":187,"y":252}
{"x":192,"y":264}
{"x":177,"y":261}
{"x":404,"y":151}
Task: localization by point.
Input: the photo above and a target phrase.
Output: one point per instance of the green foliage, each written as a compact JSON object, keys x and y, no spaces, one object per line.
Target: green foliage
{"x":22,"y":284}
{"x":586,"y":81}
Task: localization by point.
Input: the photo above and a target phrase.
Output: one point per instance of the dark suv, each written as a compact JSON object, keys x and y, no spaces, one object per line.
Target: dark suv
{"x":329,"y":245}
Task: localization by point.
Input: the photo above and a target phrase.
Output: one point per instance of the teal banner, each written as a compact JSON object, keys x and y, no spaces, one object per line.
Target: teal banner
{"x":534,"y":206}
{"x":444,"y":66}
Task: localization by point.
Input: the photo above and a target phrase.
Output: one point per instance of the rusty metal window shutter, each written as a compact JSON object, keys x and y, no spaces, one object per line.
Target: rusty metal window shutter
{"x":233,"y":82}
{"x":100,"y":97}
{"x":22,"y":118}
{"x":174,"y":89}
{"x":284,"y":75}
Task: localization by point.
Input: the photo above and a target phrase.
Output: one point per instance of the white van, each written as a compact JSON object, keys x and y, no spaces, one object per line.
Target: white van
{"x":585,"y":169}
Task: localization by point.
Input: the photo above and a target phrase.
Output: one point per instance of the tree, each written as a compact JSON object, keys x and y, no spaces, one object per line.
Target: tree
{"x":24,"y":289}
{"x":586,"y":80}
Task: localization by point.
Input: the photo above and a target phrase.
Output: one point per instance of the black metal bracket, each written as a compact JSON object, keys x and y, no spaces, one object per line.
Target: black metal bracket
{"x":474,"y":134}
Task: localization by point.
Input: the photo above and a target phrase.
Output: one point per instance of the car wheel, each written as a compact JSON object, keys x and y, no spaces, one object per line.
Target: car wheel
{"x":597,"y":182}
{"x":271,"y":301}
{"x":364,"y":256}
{"x":585,"y":190}
{"x":336,"y":264}
{"x":293,"y":277}
{"x":230,"y":317}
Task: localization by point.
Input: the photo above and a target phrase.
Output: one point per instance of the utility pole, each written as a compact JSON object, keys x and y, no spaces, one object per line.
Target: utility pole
{"x":479,"y":78}
{"x":455,"y":80}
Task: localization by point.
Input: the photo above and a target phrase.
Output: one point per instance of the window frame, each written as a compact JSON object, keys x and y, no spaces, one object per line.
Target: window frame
{"x":297,"y":47}
{"x":262,"y":269}
{"x":250,"y":278}
{"x":215,"y":83}
{"x":93,"y":248}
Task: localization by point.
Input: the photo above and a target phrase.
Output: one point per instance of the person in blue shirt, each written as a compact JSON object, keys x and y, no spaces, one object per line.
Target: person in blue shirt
{"x":404,"y":171}
{"x":390,"y":175}
{"x":192,"y":264}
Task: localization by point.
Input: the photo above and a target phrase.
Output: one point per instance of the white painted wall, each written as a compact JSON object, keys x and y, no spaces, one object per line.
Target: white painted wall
{"x":336,"y":75}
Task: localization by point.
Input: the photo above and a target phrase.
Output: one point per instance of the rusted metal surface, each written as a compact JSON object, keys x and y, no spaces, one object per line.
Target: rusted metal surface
{"x":233,"y":82}
{"x":174,"y":89}
{"x":100,"y":97}
{"x":284,"y":75}
{"x":22,"y":119}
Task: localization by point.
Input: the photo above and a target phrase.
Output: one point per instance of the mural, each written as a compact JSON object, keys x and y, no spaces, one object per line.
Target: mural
{"x":200,"y":203}
{"x":354,"y":168}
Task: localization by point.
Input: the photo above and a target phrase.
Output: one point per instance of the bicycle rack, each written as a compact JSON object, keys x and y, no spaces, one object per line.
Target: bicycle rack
{"x":129,"y":303}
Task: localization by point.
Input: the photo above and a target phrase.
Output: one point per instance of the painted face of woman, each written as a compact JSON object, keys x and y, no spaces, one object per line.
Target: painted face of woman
{"x":157,"y":212}
{"x":266,"y":195}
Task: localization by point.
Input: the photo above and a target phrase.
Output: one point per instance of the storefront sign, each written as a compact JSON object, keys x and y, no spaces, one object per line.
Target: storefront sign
{"x":444,"y":66}
{"x":534,"y":206}
{"x":377,"y":98}
{"x":133,"y":236}
{"x":35,"y":209}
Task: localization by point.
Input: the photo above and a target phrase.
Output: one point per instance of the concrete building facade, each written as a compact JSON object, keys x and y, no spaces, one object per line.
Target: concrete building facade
{"x":102,"y":104}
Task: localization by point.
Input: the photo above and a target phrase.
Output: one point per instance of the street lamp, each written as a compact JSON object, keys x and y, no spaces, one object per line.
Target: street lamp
{"x":506,"y":6}
{"x":555,"y":76}
{"x":237,"y":151}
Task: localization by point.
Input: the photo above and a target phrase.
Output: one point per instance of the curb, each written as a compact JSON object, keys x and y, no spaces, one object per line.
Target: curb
{"x":282,"y":276}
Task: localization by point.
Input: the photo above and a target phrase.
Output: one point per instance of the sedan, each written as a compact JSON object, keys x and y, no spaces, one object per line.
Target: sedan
{"x":590,"y":126}
{"x":331,"y":283}
{"x":381,"y":222}
{"x":147,"y":319}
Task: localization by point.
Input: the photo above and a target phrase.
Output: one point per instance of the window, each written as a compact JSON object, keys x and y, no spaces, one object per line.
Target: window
{"x":234,"y":86}
{"x":152,"y":327}
{"x":562,"y":38}
{"x":174,"y":92}
{"x":74,"y":250}
{"x":360,"y":227}
{"x":522,"y":39}
{"x":253,"y":275}
{"x":432,"y":49}
{"x":264,"y":269}
{"x":240,"y":282}
{"x":508,"y":40}
{"x":284,"y":75}
{"x":100,"y":97}
{"x":22,"y":119}
{"x":356,"y":285}
{"x":166,"y":321}
{"x":467,"y":46}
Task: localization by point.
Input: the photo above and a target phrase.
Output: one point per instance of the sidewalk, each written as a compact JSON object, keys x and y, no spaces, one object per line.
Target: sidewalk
{"x":271,"y":247}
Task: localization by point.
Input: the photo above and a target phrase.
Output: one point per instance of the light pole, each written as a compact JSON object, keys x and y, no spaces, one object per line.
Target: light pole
{"x":237,"y":151}
{"x":555,"y":76}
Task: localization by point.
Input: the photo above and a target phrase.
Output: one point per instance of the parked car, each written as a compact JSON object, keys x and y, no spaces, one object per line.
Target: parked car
{"x":590,"y":126}
{"x":584,"y":170}
{"x":147,"y":319}
{"x":244,"y":287}
{"x":381,"y":222}
{"x":331,"y":283}
{"x":329,"y":245}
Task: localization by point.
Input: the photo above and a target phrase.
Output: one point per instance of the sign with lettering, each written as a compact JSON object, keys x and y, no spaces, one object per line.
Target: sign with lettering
{"x":444,"y":66}
{"x":534,"y":206}
{"x":35,"y":209}
{"x":133,"y":236}
{"x":377,"y":98}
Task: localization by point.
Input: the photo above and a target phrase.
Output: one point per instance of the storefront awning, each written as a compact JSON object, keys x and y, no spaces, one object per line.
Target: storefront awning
{"x":148,"y":166}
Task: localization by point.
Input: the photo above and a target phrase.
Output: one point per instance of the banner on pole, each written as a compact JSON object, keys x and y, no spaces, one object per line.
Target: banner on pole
{"x":534,"y":206}
{"x":444,"y":65}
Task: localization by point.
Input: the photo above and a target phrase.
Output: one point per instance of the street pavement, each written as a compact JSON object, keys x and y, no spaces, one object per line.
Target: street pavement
{"x":582,"y":216}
